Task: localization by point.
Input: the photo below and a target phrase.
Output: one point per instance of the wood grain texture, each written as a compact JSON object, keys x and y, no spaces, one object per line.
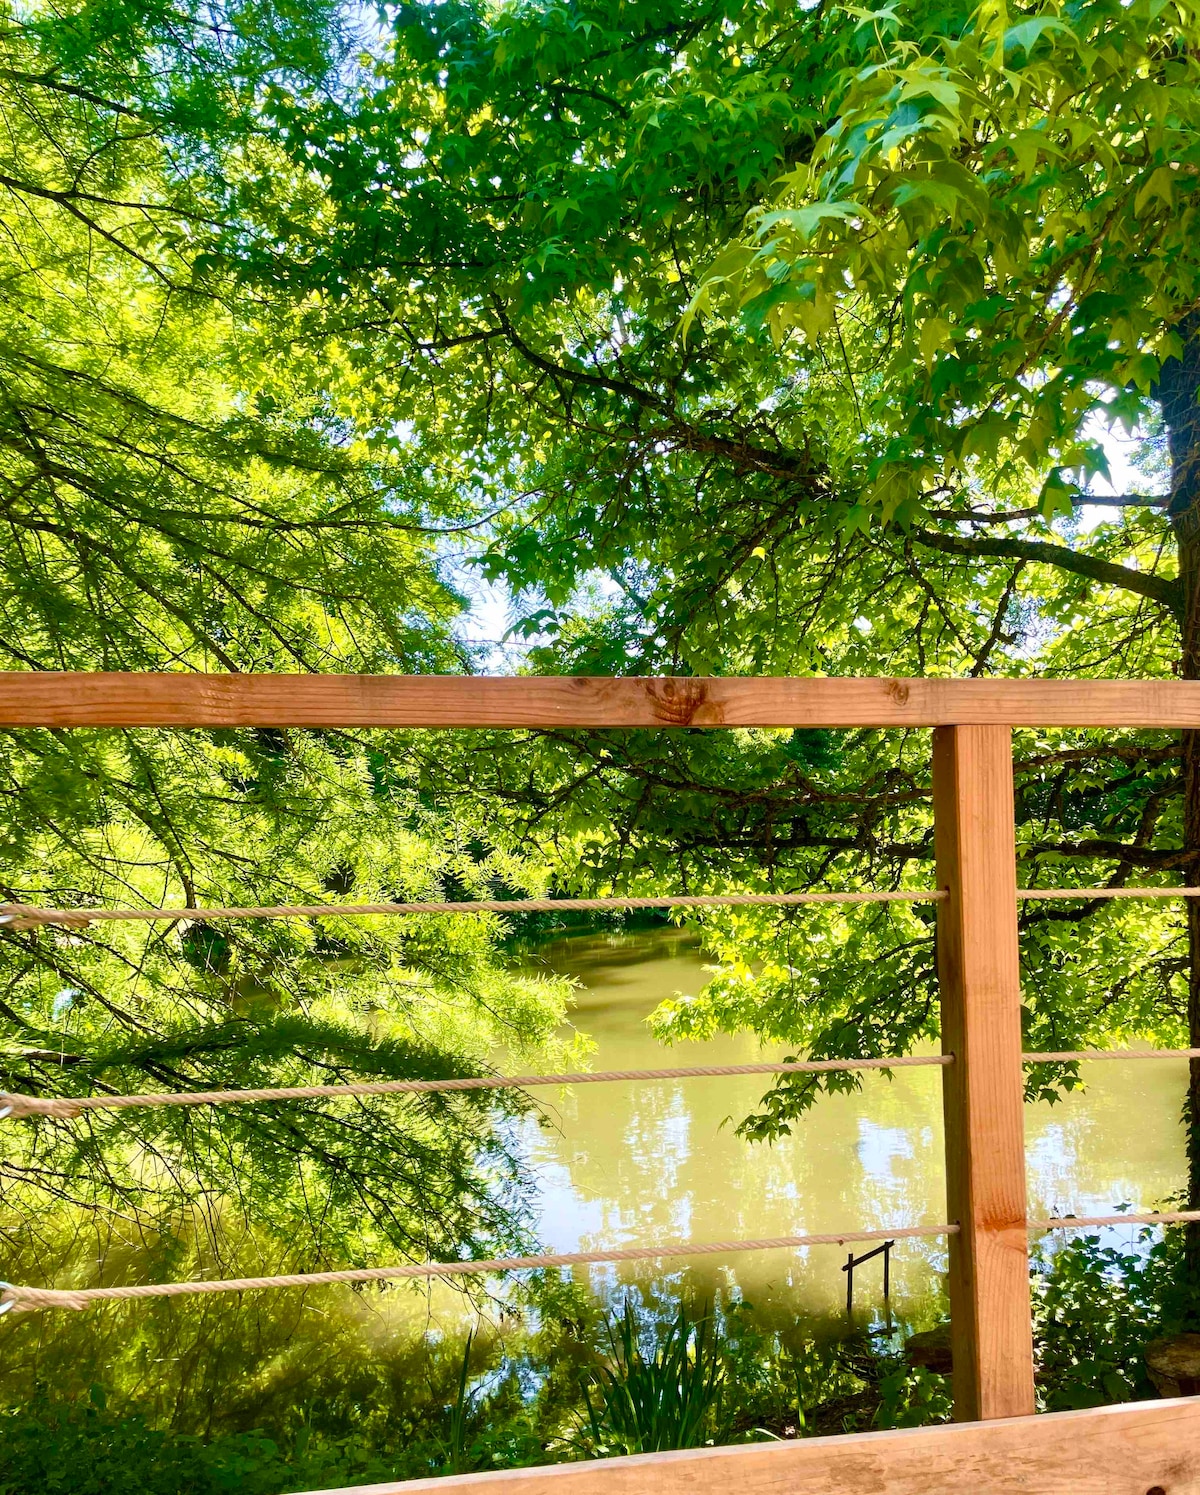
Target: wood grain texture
{"x":193,"y":700}
{"x":1126,"y":1450}
{"x":979,"y":976}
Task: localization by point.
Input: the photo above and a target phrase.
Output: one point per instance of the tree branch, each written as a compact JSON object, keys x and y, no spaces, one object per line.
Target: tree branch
{"x":1117,"y":851}
{"x":742,"y":452}
{"x":1121,"y":500}
{"x":1108,"y":573}
{"x":1078,"y":501}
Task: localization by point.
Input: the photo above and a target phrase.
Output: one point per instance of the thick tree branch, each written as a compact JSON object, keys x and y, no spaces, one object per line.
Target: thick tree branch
{"x":742,"y":452}
{"x":1121,"y":500}
{"x":1078,"y":501}
{"x":1158,"y":588}
{"x":1117,"y":851}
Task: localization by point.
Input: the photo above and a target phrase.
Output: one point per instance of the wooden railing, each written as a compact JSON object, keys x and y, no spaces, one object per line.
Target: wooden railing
{"x":1143,"y":1449}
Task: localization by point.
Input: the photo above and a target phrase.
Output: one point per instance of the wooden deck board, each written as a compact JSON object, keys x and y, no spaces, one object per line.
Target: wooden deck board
{"x":1141,"y":1449}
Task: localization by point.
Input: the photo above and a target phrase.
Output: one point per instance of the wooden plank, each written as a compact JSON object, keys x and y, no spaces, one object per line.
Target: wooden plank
{"x":1147,"y":1448}
{"x":980,"y":979}
{"x":193,"y":700}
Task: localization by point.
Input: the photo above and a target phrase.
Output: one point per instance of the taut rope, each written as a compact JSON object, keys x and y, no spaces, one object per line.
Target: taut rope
{"x":49,"y":1297}
{"x":20,"y":916}
{"x":28,"y":1298}
{"x":67,"y":1106}
{"x":14,"y":1105}
{"x":29,"y":916}
{"x":1083,"y":1222}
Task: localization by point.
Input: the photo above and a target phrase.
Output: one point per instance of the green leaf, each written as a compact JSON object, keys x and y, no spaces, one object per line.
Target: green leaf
{"x":1160,"y":184}
{"x":804,"y":222}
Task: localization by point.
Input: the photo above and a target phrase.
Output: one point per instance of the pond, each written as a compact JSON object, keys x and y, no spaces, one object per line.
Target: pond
{"x":633,"y":1162}
{"x":614,"y":1165}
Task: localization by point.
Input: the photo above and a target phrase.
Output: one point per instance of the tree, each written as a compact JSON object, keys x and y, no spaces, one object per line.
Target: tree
{"x":1003,"y":206}
{"x":693,"y":446}
{"x":860,"y":437}
{"x":174,"y":496}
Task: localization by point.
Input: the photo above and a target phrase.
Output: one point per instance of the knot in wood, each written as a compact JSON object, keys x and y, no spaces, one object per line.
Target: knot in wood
{"x":678,"y":702}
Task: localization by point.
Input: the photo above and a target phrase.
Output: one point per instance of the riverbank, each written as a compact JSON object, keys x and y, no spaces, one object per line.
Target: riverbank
{"x":329,"y":1387}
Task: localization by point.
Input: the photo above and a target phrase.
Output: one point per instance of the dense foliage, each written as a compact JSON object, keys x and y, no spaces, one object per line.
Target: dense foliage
{"x":732,"y":338}
{"x":575,"y":264}
{"x":579,"y":1387}
{"x":742,"y":339}
{"x":176,"y":496}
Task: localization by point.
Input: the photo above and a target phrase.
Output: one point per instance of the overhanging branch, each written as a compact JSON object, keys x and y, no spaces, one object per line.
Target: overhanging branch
{"x":1041,"y":552}
{"x":1078,"y":501}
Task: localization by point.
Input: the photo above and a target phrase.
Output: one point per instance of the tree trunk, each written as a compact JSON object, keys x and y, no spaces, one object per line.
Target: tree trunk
{"x":1179,"y":391}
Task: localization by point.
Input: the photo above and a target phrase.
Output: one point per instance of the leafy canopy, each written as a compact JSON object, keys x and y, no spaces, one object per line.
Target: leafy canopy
{"x":177,"y":495}
{"x":1004,"y":206}
{"x":480,"y":242}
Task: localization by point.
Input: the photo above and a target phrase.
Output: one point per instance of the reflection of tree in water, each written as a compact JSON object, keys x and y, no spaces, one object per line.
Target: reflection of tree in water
{"x":661,"y":1161}
{"x":230,"y":1362}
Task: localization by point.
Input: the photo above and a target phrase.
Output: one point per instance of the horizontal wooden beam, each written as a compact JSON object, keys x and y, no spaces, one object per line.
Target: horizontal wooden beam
{"x":46,"y":699}
{"x":1147,"y":1448}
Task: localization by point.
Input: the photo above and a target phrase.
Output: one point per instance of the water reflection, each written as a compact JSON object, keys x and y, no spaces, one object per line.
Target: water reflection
{"x":659,"y":1162}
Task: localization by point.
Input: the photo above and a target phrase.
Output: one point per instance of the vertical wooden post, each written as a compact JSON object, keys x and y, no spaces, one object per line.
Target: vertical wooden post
{"x":979,"y":975}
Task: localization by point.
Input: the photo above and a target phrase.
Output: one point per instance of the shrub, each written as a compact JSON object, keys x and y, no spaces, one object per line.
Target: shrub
{"x":1095,"y":1308}
{"x":79,"y":1448}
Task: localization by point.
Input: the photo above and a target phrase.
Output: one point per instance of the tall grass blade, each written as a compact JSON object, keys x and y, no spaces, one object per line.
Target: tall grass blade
{"x":673,"y":1397}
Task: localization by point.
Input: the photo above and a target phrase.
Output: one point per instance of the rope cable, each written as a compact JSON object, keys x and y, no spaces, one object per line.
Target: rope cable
{"x":21,"y":1297}
{"x":1091,"y":1055}
{"x":24,"y":916}
{"x":1137,"y":892}
{"x":16,"y":1105}
{"x":1082,"y":1222}
{"x":29,"y":916}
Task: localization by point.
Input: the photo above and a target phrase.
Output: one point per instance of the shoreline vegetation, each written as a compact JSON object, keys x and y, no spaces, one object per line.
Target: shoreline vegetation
{"x":552,"y":1379}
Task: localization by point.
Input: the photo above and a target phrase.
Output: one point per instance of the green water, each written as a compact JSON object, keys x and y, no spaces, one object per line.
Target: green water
{"x":653,"y":1163}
